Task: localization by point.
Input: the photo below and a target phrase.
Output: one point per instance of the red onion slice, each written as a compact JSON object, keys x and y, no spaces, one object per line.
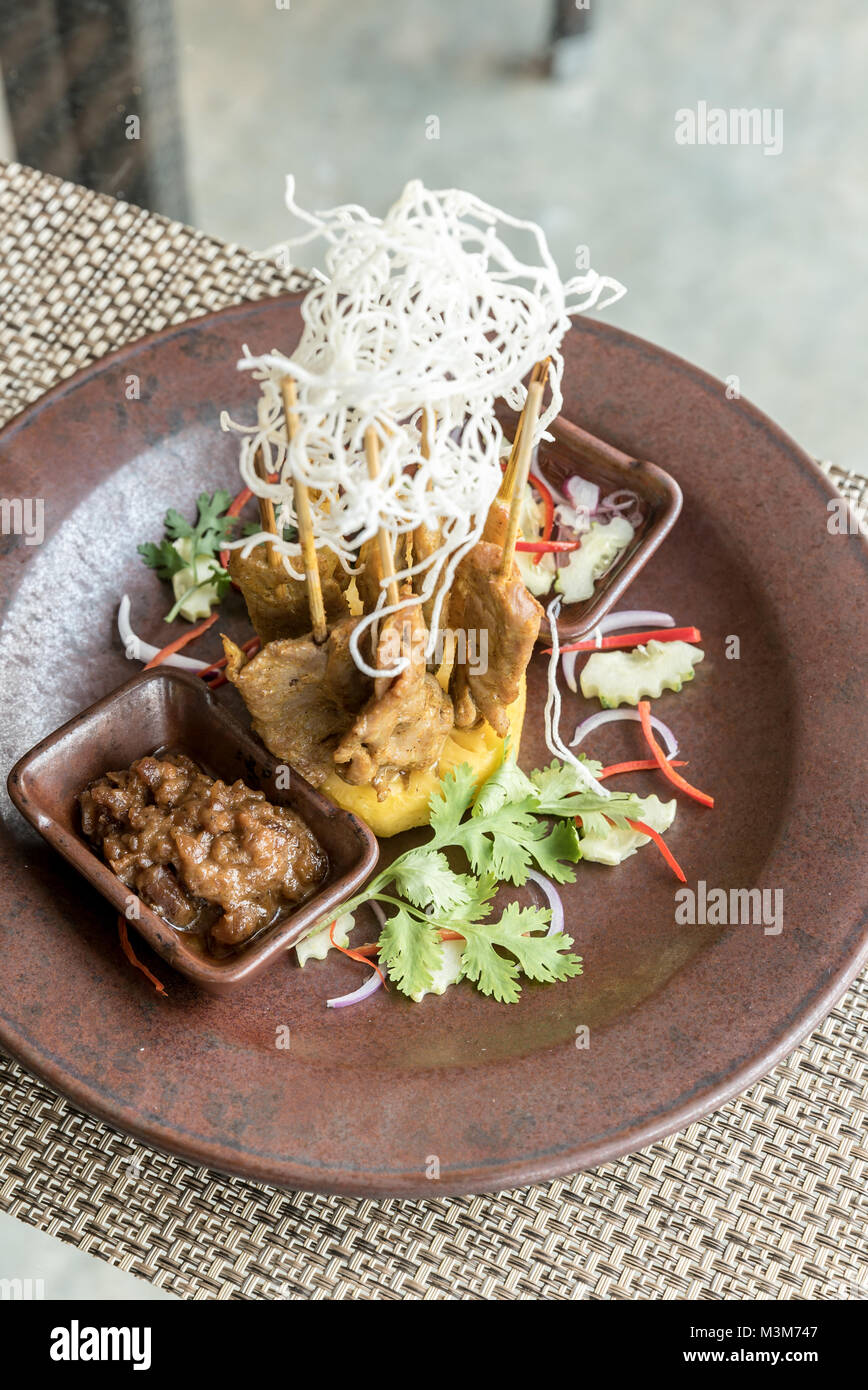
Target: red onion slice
{"x":553,"y":898}
{"x":608,"y":716}
{"x":363,"y":992}
{"x":582,"y":495}
{"x":640,"y":619}
{"x":569,"y":660}
{"x":612,"y":503}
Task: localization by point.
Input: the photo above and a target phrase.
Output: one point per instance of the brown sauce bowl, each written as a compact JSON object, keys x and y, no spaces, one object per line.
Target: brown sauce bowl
{"x":168,"y":708}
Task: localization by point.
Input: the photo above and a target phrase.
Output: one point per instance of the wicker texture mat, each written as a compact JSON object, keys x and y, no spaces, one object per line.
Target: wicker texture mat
{"x":765,"y":1199}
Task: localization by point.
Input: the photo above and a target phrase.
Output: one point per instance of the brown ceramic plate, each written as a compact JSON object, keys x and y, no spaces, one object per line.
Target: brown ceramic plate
{"x":680,"y":1016}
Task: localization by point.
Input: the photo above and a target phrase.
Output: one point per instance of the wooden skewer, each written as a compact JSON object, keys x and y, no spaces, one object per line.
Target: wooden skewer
{"x":530,"y":415}
{"x":387,"y":559}
{"x":305,"y":523}
{"x":426,"y":436}
{"x":539,"y":374}
{"x":266,"y":513}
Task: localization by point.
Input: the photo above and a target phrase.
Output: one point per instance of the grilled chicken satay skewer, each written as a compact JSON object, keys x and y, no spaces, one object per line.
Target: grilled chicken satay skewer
{"x":489,"y":594}
{"x":427,"y":538}
{"x":303,"y":692}
{"x":305,"y":523}
{"x":387,"y":559}
{"x":539,"y":374}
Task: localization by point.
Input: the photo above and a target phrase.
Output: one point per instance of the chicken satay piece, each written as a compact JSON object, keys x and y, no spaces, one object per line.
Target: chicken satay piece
{"x":483,"y":600}
{"x":277,"y":603}
{"x":302,"y":697}
{"x":369,"y":574}
{"x":426,"y":540}
{"x":497,"y":522}
{"x":406,"y":721}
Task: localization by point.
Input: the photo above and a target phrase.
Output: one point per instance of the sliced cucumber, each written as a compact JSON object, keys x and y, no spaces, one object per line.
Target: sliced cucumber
{"x":319,"y":943}
{"x":626,"y":677}
{"x":203,"y":591}
{"x":447,"y":973}
{"x":537,"y":578}
{"x":598,"y":552}
{"x":617,"y":845}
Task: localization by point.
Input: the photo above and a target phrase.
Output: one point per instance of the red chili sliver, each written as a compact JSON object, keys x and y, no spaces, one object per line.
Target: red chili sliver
{"x":660,"y":757}
{"x":658,"y":840}
{"x":634,"y":639}
{"x":661,"y":845}
{"x":133,"y":958}
{"x":353,"y":955}
{"x":546,"y":547}
{"x":548,"y":509}
{"x":640,"y":765}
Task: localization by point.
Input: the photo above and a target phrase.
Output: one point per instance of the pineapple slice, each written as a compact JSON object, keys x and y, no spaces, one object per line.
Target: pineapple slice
{"x":406,"y":805}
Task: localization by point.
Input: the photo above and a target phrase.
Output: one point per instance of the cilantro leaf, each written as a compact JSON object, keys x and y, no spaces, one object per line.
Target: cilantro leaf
{"x":550,"y":852}
{"x":411,"y":950}
{"x":163,"y":558}
{"x":425,"y":877}
{"x":176,"y":525}
{"x":494,"y":975}
{"x":501,"y":843}
{"x":560,"y":792}
{"x":204,"y":541}
{"x":543,"y":958}
{"x":212,"y":527}
{"x":507,"y":832}
{"x":477,"y":905}
{"x":507,"y":783}
{"x":449,"y":802}
{"x":558,"y":781}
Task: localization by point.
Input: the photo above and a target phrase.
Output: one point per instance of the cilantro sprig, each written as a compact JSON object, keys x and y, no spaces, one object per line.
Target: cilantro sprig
{"x":514,"y":824}
{"x":205,"y":538}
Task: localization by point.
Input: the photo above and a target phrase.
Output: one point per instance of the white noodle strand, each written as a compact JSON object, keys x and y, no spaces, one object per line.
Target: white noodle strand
{"x":425,"y":310}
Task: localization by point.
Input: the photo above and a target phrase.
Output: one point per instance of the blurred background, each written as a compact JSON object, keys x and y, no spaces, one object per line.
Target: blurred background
{"x":750,"y":264}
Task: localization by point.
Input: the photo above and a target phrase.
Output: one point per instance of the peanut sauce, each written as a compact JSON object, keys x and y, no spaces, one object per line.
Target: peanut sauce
{"x":211,"y":858}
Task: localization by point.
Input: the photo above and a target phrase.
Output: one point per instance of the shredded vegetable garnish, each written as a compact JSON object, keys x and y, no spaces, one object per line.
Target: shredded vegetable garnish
{"x":665,"y":767}
{"x":353,"y":955}
{"x":661,"y":845}
{"x":426,"y":315}
{"x":554,"y":741}
{"x":182,"y":641}
{"x":137,"y":650}
{"x":133,"y":958}
{"x":638,"y":765}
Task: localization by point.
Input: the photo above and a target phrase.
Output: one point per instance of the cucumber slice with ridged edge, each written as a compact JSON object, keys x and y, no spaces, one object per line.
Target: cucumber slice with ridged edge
{"x":599,"y":550}
{"x":619,"y":843}
{"x":626,"y":677}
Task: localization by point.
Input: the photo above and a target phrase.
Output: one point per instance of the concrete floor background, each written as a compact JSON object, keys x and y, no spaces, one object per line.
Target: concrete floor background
{"x":741,"y":262}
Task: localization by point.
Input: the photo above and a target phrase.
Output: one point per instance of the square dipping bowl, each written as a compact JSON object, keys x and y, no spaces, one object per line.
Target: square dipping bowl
{"x":574,"y":451}
{"x":170,"y":709}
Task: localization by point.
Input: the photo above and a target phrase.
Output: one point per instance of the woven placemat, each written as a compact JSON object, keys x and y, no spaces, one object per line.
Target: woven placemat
{"x":765,"y":1199}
